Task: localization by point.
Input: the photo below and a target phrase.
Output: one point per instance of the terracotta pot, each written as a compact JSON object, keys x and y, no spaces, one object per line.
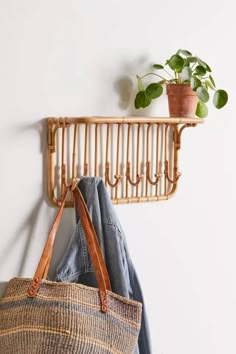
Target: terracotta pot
{"x":182,"y":100}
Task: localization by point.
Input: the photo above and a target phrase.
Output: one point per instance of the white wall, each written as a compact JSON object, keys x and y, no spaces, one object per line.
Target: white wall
{"x":71,"y":58}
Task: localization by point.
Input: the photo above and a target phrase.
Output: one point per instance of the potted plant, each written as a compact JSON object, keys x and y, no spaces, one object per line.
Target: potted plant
{"x":188,"y":84}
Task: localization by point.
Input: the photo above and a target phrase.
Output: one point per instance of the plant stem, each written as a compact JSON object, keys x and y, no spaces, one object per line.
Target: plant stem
{"x":155,"y":75}
{"x":178,"y":78}
{"x":168,"y":73}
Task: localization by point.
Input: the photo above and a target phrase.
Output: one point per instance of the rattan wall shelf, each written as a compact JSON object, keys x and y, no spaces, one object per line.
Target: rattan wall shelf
{"x":137,"y":157}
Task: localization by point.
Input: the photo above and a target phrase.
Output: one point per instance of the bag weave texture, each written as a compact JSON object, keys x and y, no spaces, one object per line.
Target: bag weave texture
{"x":38,"y":316}
{"x":66,"y":318}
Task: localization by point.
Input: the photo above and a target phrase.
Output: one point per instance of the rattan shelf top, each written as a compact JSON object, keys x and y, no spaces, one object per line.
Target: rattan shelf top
{"x":126,"y":120}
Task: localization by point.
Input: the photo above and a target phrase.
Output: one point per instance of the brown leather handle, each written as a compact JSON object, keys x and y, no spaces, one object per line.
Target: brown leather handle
{"x":87,"y":224}
{"x":93,"y":247}
{"x":95,"y":252}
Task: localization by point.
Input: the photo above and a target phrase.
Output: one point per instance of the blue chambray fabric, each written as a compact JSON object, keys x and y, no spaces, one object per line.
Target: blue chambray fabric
{"x":76,"y":266}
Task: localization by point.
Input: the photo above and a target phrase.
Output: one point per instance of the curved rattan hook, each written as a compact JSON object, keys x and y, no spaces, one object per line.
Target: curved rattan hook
{"x":107,"y":179}
{"x":52,"y":129}
{"x":157,"y":175}
{"x":177,"y":174}
{"x":139,"y":177}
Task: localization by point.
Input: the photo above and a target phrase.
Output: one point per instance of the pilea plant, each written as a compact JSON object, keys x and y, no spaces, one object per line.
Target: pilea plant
{"x":182,"y":68}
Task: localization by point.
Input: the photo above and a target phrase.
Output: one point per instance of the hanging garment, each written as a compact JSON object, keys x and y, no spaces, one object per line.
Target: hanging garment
{"x":46,"y":317}
{"x":76,"y":265}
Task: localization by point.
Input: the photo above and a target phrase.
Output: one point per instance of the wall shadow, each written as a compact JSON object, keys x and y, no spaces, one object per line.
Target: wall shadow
{"x":28,"y":224}
{"x":126,"y":86}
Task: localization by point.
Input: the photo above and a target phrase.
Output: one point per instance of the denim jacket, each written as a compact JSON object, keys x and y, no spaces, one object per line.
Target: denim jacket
{"x":76,"y":266}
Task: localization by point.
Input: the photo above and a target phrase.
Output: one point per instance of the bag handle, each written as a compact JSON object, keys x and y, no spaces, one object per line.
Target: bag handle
{"x":92,"y":243}
{"x":82,"y":210}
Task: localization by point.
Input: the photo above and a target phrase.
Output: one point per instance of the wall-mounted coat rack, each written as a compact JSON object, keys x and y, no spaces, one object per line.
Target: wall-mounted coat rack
{"x":137,"y":157}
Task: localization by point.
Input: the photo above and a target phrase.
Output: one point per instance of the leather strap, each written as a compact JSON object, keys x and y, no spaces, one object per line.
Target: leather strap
{"x":93,"y":247}
{"x":92,"y":240}
{"x":82,"y":210}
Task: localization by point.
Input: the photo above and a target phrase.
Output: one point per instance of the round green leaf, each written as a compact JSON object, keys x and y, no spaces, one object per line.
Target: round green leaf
{"x":154,"y":90}
{"x":176,"y":62}
{"x":191,"y":59}
{"x":138,"y":100}
{"x":202,"y":94}
{"x":208,"y":68}
{"x":142,"y":100}
{"x":200,"y":70}
{"x":186,"y":73}
{"x":220,"y":98}
{"x":186,"y":53}
{"x":186,"y":62}
{"x":195,"y":83}
{"x":158,"y":66}
{"x":201,"y":110}
{"x":203,"y":64}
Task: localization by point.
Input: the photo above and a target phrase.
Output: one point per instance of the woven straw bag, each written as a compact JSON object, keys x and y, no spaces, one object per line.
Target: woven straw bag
{"x":41,"y":316}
